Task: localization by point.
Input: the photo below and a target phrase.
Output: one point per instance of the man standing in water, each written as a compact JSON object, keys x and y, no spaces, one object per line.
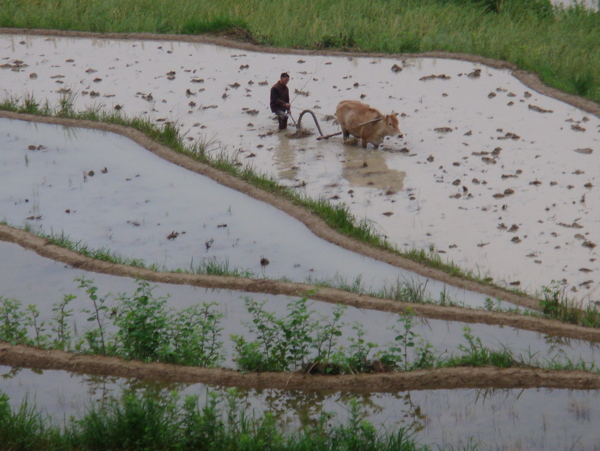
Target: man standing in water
{"x":280,"y":100}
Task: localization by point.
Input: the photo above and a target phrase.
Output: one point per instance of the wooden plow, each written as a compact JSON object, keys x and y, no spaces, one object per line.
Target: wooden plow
{"x":299,"y":124}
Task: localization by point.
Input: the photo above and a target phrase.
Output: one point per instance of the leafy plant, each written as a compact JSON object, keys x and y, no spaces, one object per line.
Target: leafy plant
{"x":396,"y":355}
{"x":357,"y":360}
{"x":196,"y":336}
{"x":13,"y":330}
{"x":62,"y":332}
{"x":328,"y":332}
{"x":142,"y":322}
{"x":138,"y":326}
{"x":95,"y":337}
{"x":282,"y":343}
{"x":31,"y":319}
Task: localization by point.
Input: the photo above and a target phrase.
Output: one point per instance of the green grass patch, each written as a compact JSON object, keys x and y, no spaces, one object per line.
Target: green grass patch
{"x":557,"y":305}
{"x":149,"y":421}
{"x":140,"y":326}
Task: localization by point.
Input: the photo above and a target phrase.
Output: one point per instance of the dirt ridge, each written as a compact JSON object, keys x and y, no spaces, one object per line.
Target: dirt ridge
{"x":331,"y":295}
{"x":423,"y":379}
{"x":463,"y":377}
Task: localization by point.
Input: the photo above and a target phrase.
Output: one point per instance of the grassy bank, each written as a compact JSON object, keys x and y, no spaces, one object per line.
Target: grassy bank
{"x":562,"y":46}
{"x":141,"y":326}
{"x":147,"y":422}
{"x":338,"y":217}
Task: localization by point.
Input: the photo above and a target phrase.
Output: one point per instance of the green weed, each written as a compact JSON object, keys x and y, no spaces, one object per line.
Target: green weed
{"x":141,"y":326}
{"x":62,"y":337}
{"x":557,"y":305}
{"x":145,"y":421}
{"x":475,"y":354}
{"x":13,"y":329}
{"x":24,"y":428}
{"x":282,"y":344}
{"x":135,"y":326}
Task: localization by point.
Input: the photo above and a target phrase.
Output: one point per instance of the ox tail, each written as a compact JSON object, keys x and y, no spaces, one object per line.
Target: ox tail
{"x":299,"y":124}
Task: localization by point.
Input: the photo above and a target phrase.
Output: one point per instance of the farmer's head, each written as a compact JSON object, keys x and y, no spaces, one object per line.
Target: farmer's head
{"x":284,"y":78}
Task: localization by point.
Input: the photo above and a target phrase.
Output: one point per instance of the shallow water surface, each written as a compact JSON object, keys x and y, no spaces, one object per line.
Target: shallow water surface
{"x":109,"y":193}
{"x":27,"y":277}
{"x":498,"y":178}
{"x":532,"y":419}
{"x":591,"y":4}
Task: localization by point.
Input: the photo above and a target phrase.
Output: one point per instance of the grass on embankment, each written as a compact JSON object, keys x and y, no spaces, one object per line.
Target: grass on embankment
{"x":562,"y":46}
{"x":338,"y":217}
{"x":150,"y":421}
{"x":141,"y":326}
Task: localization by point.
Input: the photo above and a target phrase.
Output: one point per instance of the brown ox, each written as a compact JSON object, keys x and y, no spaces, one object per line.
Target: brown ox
{"x":366,"y":123}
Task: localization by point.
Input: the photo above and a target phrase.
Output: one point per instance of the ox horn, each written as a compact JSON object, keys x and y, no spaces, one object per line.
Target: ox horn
{"x":371,"y":121}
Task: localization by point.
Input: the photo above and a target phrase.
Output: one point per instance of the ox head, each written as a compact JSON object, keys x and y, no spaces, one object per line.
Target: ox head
{"x":391,"y":125}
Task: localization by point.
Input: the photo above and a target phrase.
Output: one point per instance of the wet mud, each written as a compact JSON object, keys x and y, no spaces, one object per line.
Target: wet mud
{"x":450,"y":378}
{"x":21,"y":356}
{"x":485,"y":153}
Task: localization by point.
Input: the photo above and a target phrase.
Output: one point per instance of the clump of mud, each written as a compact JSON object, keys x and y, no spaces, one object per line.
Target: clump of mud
{"x":301,"y":133}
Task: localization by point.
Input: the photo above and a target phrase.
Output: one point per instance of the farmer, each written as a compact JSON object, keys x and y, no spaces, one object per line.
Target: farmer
{"x":280,"y":100}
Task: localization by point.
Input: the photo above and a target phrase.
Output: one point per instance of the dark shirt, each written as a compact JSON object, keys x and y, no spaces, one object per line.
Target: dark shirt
{"x":280,"y":95}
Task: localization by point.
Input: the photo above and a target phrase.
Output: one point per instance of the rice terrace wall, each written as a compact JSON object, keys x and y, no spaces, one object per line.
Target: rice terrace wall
{"x":159,"y":234}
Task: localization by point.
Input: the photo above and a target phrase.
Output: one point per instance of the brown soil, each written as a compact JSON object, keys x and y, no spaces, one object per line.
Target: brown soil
{"x":332,"y":295}
{"x":447,"y":378}
{"x":464,"y":377}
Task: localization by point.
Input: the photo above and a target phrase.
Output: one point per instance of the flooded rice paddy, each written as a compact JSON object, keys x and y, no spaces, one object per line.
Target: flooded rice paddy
{"x":109,"y":193}
{"x":515,"y":419}
{"x":27,"y":277}
{"x":498,"y":178}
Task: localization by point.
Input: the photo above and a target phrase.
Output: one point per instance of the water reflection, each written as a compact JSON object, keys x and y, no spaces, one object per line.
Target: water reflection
{"x":536,"y":418}
{"x":368,"y":169}
{"x":285,"y":158}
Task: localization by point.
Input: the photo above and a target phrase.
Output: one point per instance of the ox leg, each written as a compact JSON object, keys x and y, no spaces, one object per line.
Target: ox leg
{"x":345,"y":135}
{"x":364,"y":140}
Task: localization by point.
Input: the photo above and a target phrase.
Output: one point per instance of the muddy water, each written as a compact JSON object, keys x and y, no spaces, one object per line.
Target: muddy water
{"x":27,"y":277}
{"x":515,"y":419}
{"x":110,"y":193}
{"x":498,"y":178}
{"x":420,"y":195}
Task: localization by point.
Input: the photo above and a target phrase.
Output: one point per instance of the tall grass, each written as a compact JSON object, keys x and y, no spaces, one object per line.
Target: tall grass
{"x":144,"y":421}
{"x":561,"y":45}
{"x":24,"y":428}
{"x":556,"y":305}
